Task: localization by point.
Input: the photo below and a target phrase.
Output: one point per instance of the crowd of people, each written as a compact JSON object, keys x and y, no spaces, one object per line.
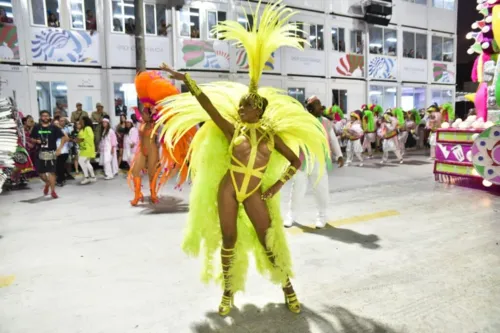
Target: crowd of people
{"x":59,"y":146}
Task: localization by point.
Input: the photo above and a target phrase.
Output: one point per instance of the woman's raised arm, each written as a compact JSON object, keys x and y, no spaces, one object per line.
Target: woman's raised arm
{"x":226,"y":127}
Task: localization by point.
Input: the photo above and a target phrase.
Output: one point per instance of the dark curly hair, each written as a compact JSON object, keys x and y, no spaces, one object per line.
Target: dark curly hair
{"x":86,"y":121}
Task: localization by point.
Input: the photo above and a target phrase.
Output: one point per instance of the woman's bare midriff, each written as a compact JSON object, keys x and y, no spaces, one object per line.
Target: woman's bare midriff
{"x":242,"y":153}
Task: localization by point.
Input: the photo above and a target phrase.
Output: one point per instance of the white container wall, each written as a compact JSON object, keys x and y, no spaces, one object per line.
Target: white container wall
{"x":68,"y":51}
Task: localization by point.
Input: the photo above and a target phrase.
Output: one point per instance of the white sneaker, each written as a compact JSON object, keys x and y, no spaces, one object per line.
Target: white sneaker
{"x":93,"y":180}
{"x":401,"y":162}
{"x":360,"y":164}
{"x":108,"y":177}
{"x":287,"y":223}
{"x":382,"y":162}
{"x":320,"y":224}
{"x":85,"y":181}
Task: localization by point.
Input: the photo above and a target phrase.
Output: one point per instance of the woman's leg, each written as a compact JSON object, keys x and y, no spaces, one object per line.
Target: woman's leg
{"x":108,"y":172}
{"x":153,"y":161}
{"x":258,"y":213}
{"x":228,"y":213}
{"x":75,"y":162}
{"x":90,"y":168}
{"x":120,"y":156}
{"x":83,"y":164}
{"x":138,"y":165}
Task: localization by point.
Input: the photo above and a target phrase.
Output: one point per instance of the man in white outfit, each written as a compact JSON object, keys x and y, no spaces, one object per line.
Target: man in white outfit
{"x":301,"y":178}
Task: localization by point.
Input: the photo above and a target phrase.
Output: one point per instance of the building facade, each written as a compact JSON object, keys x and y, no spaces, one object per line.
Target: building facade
{"x":55,"y":53}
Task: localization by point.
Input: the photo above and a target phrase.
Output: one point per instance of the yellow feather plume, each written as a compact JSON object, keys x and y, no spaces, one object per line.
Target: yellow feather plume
{"x":270,"y":31}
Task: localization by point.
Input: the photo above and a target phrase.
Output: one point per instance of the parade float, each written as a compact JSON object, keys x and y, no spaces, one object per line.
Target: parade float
{"x":468,"y":152}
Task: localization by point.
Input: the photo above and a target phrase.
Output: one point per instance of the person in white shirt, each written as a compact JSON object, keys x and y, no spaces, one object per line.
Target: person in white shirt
{"x":301,"y":178}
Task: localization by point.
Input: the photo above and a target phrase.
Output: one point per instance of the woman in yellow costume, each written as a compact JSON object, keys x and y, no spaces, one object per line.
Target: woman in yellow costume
{"x":241,"y":157}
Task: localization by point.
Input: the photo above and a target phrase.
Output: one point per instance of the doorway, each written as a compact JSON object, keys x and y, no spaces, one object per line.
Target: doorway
{"x":339,"y":97}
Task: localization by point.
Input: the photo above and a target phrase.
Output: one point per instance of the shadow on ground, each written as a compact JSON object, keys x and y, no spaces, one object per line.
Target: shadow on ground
{"x":344,"y":235}
{"x":167,"y":205}
{"x":37,"y":199}
{"x":275,"y":318}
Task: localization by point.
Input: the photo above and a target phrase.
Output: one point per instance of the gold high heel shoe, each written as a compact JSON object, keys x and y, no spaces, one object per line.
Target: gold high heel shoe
{"x":291,"y":299}
{"x":226,"y":304}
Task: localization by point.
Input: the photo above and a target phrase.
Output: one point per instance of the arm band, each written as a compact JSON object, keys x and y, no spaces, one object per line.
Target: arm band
{"x":288,"y":174}
{"x":192,"y":86}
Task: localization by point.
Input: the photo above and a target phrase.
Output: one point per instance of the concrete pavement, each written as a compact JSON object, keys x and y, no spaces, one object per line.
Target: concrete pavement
{"x":401,"y":254}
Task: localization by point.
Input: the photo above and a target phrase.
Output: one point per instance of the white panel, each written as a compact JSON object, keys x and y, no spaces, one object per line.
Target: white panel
{"x":442,"y":20}
{"x":121,"y":51}
{"x":356,"y":91}
{"x":443,"y":72}
{"x":9,"y":43}
{"x":410,"y":14}
{"x":83,"y":85}
{"x":197,"y":54}
{"x":382,"y":67}
{"x":318,"y":5}
{"x":345,"y":7}
{"x":265,"y":81}
{"x":14,"y":81}
{"x":72,"y":47}
{"x":414,"y":70}
{"x":312,"y":86}
{"x":307,"y":62}
{"x":347,"y":65}
{"x":240,"y":61}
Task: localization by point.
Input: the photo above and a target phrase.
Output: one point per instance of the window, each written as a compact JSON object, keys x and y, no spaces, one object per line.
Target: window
{"x":338,"y":39}
{"x":357,"y":43}
{"x":441,"y":96}
{"x":413,"y":98}
{"x":126,"y":93}
{"x":421,"y":46}
{"x":316,"y":37}
{"x":339,"y":97}
{"x":123,"y":16}
{"x":376,"y":35}
{"x":414,"y":45}
{"x":390,"y":42}
{"x":83,"y":15}
{"x":418,"y":2}
{"x":51,"y":95}
{"x":444,"y":4}
{"x":246,"y":22}
{"x":212,"y":19}
{"x":45,"y":13}
{"x":384,"y":96}
{"x":383,"y":41}
{"x":150,"y":19}
{"x":190,"y":22}
{"x":313,"y":33}
{"x":442,"y":49}
{"x":6,"y":15}
{"x":161,"y":20}
{"x":298,"y":93}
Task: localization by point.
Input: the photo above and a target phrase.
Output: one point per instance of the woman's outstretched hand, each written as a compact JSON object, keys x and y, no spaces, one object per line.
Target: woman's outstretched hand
{"x":272,"y":190}
{"x":173,"y":74}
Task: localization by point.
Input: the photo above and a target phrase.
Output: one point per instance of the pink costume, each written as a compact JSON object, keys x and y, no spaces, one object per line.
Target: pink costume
{"x":130,"y":144}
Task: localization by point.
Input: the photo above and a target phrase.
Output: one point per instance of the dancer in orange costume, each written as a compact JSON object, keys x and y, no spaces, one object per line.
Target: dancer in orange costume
{"x":161,"y":166}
